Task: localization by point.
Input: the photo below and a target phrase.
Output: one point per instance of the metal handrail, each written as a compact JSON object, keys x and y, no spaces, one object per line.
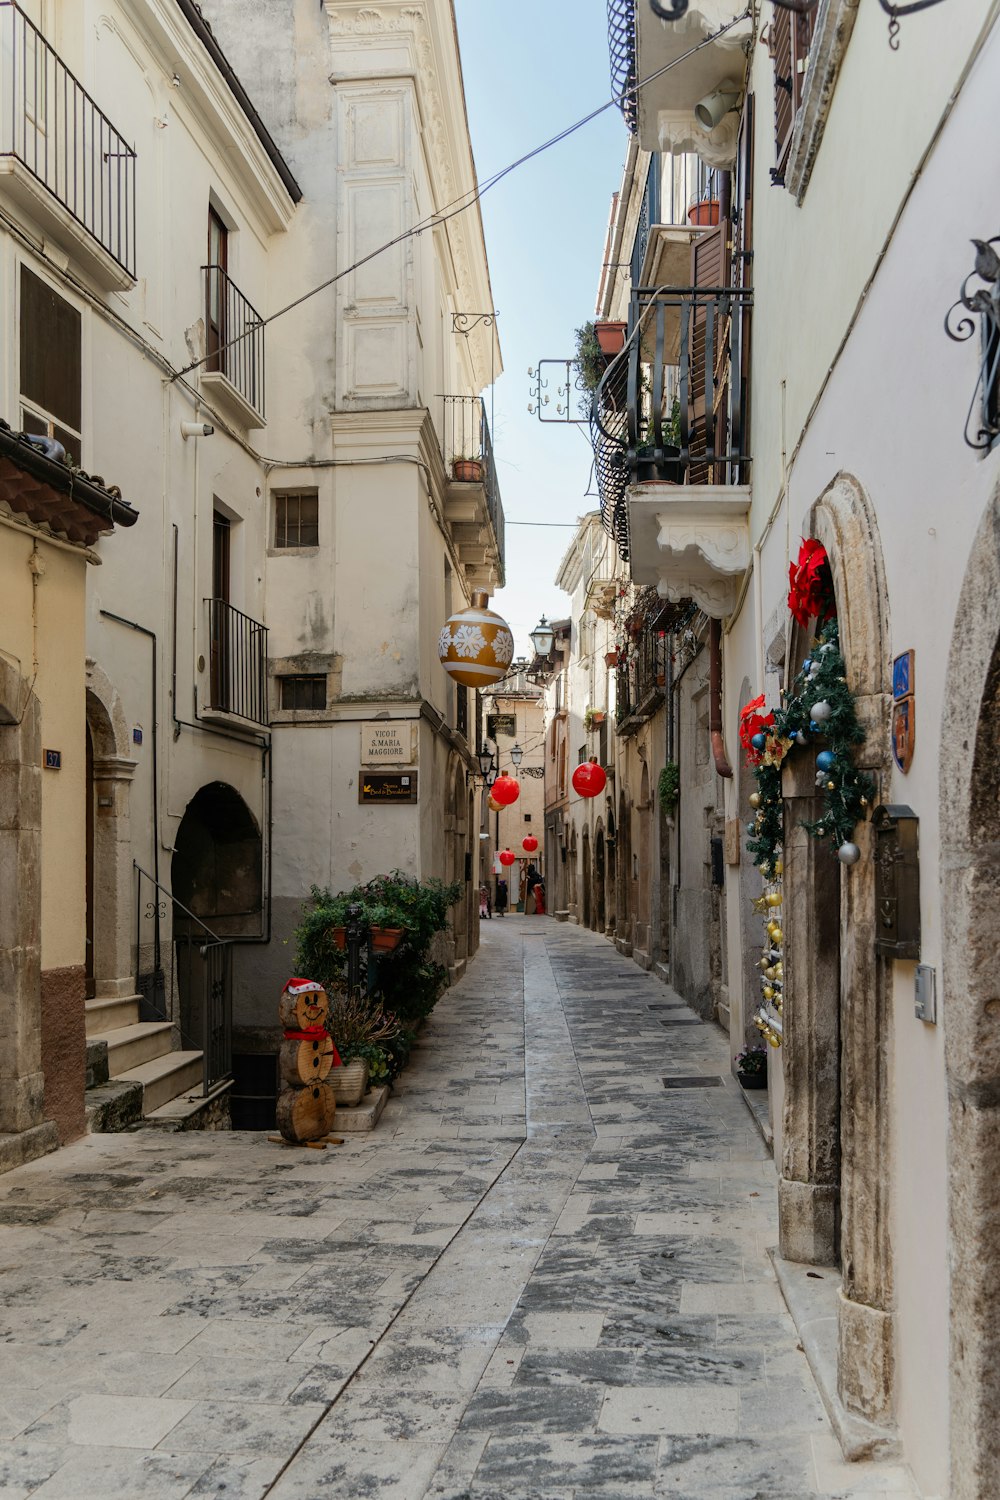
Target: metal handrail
{"x":634,"y":400}
{"x":52,"y":126}
{"x":185,"y":909}
{"x":235,"y":332}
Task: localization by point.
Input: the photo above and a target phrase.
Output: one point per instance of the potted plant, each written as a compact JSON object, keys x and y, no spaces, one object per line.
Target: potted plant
{"x":590,"y":361}
{"x":363,"y":1035}
{"x":383,"y":929}
{"x":669,"y":786}
{"x":467,"y":470}
{"x":704,"y":212}
{"x":751,"y":1068}
{"x":610,"y":336}
{"x":611,"y":659}
{"x":661,"y":466}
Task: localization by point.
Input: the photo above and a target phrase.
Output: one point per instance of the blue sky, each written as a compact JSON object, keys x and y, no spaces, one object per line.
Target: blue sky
{"x":530,"y":70}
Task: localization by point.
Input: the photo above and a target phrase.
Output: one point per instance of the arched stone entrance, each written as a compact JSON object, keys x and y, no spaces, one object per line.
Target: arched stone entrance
{"x":585,"y":918}
{"x":611,"y":920}
{"x":970,"y":895}
{"x":110,"y":962}
{"x":834,"y":1187}
{"x":643,"y":893}
{"x":623,"y":902}
{"x":599,"y":874}
{"x":216,"y":879}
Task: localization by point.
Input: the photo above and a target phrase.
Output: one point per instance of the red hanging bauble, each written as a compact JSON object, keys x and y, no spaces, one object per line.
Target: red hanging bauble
{"x":507,"y":857}
{"x":505,"y":790}
{"x":589,"y":779}
{"x":530,"y":844}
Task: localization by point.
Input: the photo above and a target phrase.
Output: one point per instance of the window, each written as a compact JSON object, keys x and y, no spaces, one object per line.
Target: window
{"x":296,"y":519}
{"x":789,"y":43}
{"x":51,"y":364}
{"x":462,"y":710}
{"x":215,"y":310}
{"x":527,"y":817}
{"x":303,"y":691}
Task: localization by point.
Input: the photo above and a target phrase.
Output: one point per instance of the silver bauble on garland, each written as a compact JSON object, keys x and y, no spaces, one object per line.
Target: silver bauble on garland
{"x":848,"y":854}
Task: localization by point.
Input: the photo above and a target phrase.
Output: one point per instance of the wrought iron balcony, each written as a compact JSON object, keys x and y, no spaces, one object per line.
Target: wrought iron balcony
{"x":678,"y":74}
{"x":621,"y":48}
{"x":467,"y":449}
{"x":238,"y":663}
{"x":681,"y":193}
{"x":668,"y":425}
{"x":641,"y":675}
{"x":234,"y":335}
{"x":60,"y":156}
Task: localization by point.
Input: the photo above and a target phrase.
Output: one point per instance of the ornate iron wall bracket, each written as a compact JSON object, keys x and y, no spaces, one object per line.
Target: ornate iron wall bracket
{"x":982,"y":310}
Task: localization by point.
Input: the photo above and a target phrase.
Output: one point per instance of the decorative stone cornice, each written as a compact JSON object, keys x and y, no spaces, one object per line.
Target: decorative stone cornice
{"x":692,"y":542}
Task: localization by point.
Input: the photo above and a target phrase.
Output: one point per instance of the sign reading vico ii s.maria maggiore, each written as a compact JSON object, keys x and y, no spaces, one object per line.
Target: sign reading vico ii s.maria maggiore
{"x":389,"y":742}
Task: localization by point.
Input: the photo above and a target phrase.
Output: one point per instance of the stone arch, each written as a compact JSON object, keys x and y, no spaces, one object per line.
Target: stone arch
{"x":587,"y":872}
{"x":623,"y":903}
{"x":572,"y":892}
{"x":600,"y":856}
{"x":457,"y":822}
{"x":834,"y":1188}
{"x":970,"y":893}
{"x":110,"y":965}
{"x":610,"y":884}
{"x":644,"y":893}
{"x":472,"y":883}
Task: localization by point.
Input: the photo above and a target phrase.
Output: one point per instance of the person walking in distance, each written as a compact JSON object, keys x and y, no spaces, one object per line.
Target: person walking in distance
{"x":501,"y":902}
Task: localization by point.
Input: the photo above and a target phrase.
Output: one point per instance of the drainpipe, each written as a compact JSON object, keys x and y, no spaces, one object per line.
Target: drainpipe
{"x":722,"y":766}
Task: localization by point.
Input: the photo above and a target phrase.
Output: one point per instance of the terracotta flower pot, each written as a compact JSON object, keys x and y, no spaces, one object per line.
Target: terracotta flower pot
{"x":339,"y":935}
{"x":611,"y":337}
{"x":384,"y":939}
{"x":611,"y":658}
{"x":704,"y":213}
{"x":467,"y":470}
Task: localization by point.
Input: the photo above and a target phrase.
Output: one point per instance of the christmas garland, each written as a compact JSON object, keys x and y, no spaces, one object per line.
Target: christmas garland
{"x":819,"y":706}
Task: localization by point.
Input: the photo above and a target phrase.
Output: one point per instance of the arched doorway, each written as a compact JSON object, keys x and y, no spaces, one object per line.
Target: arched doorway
{"x":623,"y":902}
{"x":834,"y":1185}
{"x":610,"y":882}
{"x":643,"y":903}
{"x":572,"y":885}
{"x":216,"y":879}
{"x":599,"y":862}
{"x":110,"y":964}
{"x":970,"y":894}
{"x":587,"y":873}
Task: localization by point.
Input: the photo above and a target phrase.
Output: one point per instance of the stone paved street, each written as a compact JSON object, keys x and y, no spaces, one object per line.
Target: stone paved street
{"x":544,"y":1276}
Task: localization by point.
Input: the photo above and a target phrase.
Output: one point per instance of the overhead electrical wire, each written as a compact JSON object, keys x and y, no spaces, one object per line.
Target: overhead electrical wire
{"x":468,"y":199}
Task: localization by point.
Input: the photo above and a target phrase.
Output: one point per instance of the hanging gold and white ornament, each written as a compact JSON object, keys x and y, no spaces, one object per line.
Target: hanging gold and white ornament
{"x":476,"y":646}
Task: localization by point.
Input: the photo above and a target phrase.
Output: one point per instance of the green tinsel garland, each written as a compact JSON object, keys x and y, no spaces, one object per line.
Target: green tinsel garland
{"x":846,"y":790}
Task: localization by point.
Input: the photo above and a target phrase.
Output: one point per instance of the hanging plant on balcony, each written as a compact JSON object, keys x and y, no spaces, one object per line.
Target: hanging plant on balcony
{"x":590,"y":361}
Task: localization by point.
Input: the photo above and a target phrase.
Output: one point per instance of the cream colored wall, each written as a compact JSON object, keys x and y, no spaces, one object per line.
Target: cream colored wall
{"x":41,"y":629}
{"x":891,"y":414}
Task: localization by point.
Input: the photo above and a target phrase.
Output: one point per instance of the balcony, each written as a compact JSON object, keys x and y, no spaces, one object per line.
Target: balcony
{"x":472,"y":507}
{"x":679,"y":192}
{"x":665,"y":108}
{"x":61,"y":160}
{"x":237,"y":664}
{"x":233,"y":374}
{"x":668,"y":426}
{"x":642,"y":668}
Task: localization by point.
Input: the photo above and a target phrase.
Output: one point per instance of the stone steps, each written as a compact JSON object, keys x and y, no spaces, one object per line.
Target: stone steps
{"x":107,"y":1013}
{"x":130,"y":1046}
{"x":166,"y":1077}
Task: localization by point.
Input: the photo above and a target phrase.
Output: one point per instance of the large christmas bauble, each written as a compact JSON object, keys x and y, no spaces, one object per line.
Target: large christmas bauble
{"x":589,"y":779}
{"x":475,"y":647}
{"x":505,"y":790}
{"x":825,"y":760}
{"x":507,"y":856}
{"x":493,"y":804}
{"x":530,"y":844}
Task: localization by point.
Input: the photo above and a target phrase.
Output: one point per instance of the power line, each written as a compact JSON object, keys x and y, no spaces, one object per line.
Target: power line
{"x":474,"y":195}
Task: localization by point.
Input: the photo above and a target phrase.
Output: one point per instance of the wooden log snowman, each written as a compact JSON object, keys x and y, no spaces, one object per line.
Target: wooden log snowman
{"x":307,"y":1103}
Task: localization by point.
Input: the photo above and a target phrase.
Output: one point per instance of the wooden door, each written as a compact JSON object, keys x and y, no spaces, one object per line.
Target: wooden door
{"x":220,"y":625}
{"x":90,"y":985}
{"x":215,"y":292}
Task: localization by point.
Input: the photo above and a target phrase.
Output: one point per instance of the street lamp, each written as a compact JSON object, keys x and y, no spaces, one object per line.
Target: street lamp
{"x":543,"y":638}
{"x":516,"y":754}
{"x":485,"y":761}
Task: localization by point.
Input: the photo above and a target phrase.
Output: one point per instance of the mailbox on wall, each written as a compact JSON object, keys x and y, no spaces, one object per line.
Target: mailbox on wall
{"x":897,"y":881}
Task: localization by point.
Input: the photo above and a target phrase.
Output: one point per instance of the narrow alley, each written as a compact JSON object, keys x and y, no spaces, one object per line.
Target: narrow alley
{"x":545,"y":1275}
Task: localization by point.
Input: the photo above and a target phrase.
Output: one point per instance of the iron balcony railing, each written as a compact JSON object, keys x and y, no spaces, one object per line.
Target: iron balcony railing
{"x":465,"y":439}
{"x":641,"y":675}
{"x":234,"y":337}
{"x":672,"y":406}
{"x":51,"y":125}
{"x":621,"y":50}
{"x":238,"y":665}
{"x":197,"y":985}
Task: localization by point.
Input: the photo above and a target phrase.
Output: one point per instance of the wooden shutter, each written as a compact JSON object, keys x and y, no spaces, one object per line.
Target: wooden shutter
{"x":791,"y":38}
{"x":51,"y":363}
{"x":739,"y":428}
{"x":709,"y":268}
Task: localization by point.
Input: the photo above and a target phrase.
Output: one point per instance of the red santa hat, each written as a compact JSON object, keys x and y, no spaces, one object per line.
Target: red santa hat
{"x":302,"y":987}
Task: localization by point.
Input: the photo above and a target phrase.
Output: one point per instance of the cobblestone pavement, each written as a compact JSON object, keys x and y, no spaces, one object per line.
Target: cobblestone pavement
{"x":542,"y":1277}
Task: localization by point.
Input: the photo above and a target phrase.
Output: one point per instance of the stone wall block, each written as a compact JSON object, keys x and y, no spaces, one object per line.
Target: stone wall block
{"x":971,"y":1000}
{"x":807,"y":1220}
{"x":865,"y":1362}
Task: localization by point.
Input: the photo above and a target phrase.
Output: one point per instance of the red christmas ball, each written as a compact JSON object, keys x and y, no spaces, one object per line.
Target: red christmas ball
{"x":505,"y":790}
{"x":507,"y":857}
{"x":589,"y":779}
{"x":530,"y":844}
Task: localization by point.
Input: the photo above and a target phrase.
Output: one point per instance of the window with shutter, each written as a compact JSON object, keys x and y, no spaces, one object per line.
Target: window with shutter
{"x":50,"y":364}
{"x":707,"y":380}
{"x":790,"y":40}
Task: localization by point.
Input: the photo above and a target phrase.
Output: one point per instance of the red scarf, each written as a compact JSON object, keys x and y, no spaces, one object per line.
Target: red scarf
{"x":314,"y":1034}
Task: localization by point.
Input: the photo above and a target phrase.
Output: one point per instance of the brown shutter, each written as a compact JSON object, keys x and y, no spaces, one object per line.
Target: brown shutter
{"x":743,"y":278}
{"x":50,"y":351}
{"x":784,"y":82}
{"x":709,"y":268}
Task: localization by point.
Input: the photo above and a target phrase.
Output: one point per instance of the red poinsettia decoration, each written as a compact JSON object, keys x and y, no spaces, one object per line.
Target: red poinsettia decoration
{"x":753,"y":722}
{"x":810,"y":586}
